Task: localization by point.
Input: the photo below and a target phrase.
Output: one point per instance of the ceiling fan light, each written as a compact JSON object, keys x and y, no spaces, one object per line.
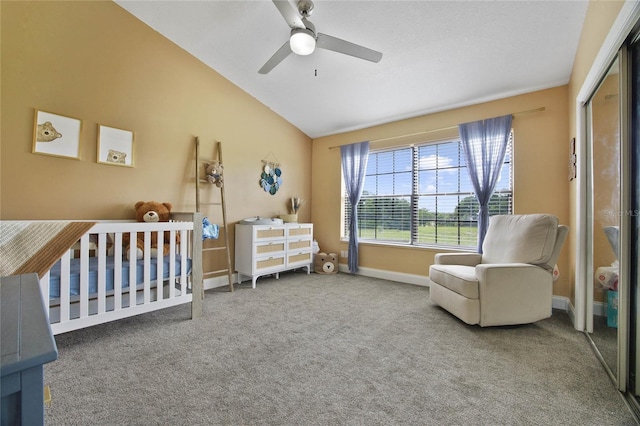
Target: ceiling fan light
{"x":302,"y":41}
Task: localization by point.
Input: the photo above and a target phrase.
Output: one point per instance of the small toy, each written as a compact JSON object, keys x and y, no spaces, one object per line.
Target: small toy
{"x":214,"y":173}
{"x":150,"y":211}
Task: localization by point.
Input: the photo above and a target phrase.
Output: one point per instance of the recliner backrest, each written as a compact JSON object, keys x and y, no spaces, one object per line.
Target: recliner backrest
{"x":529,"y":238}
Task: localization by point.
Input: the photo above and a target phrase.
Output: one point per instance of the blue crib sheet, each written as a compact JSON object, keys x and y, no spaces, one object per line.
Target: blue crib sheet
{"x":54,"y":276}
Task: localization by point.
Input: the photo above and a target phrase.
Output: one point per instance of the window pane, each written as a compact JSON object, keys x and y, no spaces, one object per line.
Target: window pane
{"x":370,"y":185}
{"x":427,"y":182}
{"x":385,"y":218}
{"x":504,"y":181}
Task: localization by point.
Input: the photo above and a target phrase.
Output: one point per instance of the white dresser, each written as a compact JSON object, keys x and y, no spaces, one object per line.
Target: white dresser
{"x":270,"y":249}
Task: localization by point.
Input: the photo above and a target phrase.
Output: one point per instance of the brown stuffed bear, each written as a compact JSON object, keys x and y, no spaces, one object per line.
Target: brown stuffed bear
{"x":150,"y":211}
{"x":213,"y":172}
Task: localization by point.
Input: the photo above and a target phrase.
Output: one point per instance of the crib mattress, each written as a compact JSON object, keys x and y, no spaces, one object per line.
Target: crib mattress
{"x":74,"y":287}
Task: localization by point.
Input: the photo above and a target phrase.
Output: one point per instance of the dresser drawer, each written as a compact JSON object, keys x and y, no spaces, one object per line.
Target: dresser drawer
{"x":271,"y":262}
{"x":296,"y":231}
{"x":298,"y":258}
{"x":299,"y":244}
{"x":266,"y":233}
{"x":269,"y":248}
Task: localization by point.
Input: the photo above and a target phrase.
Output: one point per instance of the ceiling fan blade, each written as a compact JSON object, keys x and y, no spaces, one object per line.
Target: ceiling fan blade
{"x":289,"y":14}
{"x":277,"y":57}
{"x":341,"y":46}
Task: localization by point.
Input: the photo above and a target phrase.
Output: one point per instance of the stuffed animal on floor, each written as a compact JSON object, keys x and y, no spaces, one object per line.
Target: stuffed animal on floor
{"x":214,"y":173}
{"x":326,"y":263}
{"x":150,"y":211}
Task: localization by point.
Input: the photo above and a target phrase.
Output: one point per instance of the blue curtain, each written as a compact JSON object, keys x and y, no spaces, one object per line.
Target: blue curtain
{"x":485,"y":143}
{"x":354,"y":165}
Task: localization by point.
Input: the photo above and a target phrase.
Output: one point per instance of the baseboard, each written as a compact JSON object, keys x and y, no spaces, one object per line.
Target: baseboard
{"x":600,"y":309}
{"x":561,"y":303}
{"x":401,"y":277}
{"x":215,"y":282}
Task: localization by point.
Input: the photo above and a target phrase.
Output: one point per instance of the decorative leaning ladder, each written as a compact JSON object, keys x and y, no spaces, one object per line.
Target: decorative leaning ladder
{"x":199,"y":203}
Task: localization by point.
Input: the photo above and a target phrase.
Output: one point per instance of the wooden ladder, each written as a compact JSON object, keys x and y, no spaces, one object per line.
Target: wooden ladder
{"x":224,"y":228}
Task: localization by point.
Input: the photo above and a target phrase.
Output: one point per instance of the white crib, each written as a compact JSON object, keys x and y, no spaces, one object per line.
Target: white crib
{"x":94,"y":282}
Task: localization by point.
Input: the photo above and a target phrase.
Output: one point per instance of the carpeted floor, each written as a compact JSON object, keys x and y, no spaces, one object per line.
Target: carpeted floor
{"x":327,"y":350}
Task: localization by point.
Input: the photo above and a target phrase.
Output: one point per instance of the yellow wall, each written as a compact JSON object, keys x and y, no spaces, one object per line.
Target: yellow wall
{"x":600,"y":17}
{"x":96,"y":62}
{"x":540,"y":173}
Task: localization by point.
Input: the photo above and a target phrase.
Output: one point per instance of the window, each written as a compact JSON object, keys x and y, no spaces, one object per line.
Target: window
{"x":422,"y":195}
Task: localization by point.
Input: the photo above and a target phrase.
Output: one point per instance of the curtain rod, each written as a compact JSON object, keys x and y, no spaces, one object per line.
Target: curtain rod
{"x":540,"y":109}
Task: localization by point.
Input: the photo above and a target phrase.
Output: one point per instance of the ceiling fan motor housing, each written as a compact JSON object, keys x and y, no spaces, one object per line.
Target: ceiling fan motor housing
{"x":305,"y":7}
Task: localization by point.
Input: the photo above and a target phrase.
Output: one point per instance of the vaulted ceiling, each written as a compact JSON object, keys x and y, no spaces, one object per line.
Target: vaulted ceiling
{"x":437,"y":55}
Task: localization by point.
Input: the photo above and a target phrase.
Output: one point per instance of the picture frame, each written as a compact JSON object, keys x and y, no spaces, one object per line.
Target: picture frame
{"x":572,"y":159}
{"x":56,"y":135}
{"x":115,"y":146}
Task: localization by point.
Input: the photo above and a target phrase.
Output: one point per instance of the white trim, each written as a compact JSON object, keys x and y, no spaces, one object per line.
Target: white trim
{"x":622,"y":26}
{"x":628,"y":16}
{"x":560,"y":302}
{"x":571,"y":311}
{"x":421,"y":280}
{"x":221,"y":281}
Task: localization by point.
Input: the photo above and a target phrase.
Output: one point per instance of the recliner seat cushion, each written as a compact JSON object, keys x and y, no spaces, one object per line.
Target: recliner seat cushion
{"x":520,"y":239}
{"x":458,"y":278}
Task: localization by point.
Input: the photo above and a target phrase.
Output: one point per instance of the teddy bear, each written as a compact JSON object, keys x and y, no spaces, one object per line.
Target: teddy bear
{"x":326,"y":263}
{"x":150,"y":211}
{"x":46,"y":132}
{"x":214,"y":173}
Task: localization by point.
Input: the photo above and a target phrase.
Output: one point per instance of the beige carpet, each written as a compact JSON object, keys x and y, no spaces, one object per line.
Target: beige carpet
{"x":327,"y":350}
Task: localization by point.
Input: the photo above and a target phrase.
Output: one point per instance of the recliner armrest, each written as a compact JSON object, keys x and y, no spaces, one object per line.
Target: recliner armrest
{"x":465,"y":259}
{"x":513,"y":293}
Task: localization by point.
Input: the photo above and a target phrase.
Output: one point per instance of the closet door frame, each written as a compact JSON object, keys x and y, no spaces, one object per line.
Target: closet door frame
{"x":583,"y":309}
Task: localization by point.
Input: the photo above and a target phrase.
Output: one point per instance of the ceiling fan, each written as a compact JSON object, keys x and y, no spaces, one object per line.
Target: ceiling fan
{"x":304,"y":39}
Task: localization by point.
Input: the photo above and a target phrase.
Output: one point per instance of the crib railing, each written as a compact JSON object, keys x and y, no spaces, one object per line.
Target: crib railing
{"x":89,"y":308}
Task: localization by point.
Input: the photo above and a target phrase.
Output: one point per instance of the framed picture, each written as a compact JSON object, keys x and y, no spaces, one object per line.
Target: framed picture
{"x":115,"y":146}
{"x":572,"y":159}
{"x":57,"y":135}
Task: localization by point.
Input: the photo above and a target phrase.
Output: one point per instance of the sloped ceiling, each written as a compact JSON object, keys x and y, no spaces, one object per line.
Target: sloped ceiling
{"x":437,"y":55}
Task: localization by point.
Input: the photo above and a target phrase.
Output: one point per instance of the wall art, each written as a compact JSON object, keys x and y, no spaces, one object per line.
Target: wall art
{"x":572,"y":159}
{"x":115,"y":146}
{"x":271,"y":178}
{"x":57,"y":135}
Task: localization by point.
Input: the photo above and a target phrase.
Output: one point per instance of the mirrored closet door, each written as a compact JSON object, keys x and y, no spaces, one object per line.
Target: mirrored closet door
{"x":613,"y":219}
{"x":604,"y":147}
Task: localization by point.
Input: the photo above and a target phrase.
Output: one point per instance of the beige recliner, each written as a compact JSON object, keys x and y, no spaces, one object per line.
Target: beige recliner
{"x":511,"y":282}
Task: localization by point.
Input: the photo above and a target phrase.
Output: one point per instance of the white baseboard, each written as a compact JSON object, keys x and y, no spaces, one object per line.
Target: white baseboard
{"x":389,"y":275}
{"x":560,"y":302}
{"x":221,"y":281}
